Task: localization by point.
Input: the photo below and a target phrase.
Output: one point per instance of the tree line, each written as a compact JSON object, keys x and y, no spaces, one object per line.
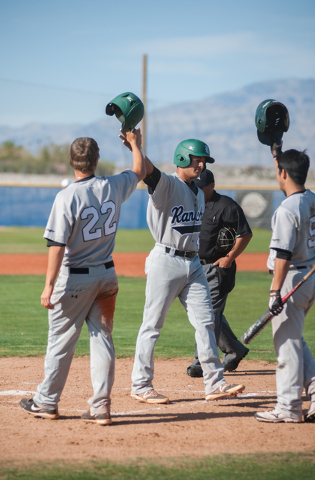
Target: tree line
{"x":50,"y":159}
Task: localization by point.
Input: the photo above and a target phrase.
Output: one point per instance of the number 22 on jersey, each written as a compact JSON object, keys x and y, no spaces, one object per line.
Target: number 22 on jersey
{"x":109,"y":228}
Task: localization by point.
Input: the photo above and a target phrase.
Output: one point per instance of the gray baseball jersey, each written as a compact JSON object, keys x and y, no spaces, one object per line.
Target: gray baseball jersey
{"x":175,"y":213}
{"x":293,"y":229}
{"x":85,"y":217}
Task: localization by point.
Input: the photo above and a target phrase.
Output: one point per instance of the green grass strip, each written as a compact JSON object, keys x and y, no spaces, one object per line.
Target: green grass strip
{"x":30,"y":240}
{"x":273,"y":466}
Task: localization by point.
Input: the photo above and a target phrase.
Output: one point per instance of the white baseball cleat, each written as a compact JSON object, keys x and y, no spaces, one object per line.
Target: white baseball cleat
{"x":225,"y":391}
{"x":310,"y":416}
{"x":275,"y":417}
{"x":150,"y":396}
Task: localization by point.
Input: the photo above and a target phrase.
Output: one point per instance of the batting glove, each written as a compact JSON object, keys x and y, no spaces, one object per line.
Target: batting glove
{"x":275,"y":302}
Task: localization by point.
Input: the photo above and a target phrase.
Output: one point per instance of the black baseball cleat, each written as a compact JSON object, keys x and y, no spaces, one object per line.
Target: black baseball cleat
{"x":195,"y":370}
{"x":30,"y":406}
{"x":231,"y":366}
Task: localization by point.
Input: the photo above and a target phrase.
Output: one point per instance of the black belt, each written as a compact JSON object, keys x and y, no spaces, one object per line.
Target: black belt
{"x":205,"y":261}
{"x":85,"y":270}
{"x":182,"y":253}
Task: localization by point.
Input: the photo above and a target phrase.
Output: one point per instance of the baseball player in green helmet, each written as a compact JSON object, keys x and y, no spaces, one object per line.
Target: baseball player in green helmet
{"x":175,"y":210}
{"x":186,"y":148}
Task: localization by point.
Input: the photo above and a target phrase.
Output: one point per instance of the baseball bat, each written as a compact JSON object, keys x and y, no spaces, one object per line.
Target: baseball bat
{"x":263,"y":321}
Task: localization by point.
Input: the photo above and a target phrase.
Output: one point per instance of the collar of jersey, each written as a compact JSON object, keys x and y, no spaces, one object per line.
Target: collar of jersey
{"x":84,"y":179}
{"x":297,"y":193}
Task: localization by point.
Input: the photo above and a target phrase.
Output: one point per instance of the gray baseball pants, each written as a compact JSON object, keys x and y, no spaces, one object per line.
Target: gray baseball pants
{"x":296,"y":365}
{"x":169,"y":277}
{"x":77,"y":298}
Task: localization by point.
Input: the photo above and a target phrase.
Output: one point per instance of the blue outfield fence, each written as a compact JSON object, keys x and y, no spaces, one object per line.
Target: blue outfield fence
{"x":30,"y":206}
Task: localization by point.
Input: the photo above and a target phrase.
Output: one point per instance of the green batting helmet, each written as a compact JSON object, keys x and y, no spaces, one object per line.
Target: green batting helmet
{"x":272,"y":120}
{"x":128,"y":108}
{"x":191,"y":147}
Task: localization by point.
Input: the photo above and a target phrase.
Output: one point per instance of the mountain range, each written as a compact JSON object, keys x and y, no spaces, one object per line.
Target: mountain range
{"x":225,"y":122}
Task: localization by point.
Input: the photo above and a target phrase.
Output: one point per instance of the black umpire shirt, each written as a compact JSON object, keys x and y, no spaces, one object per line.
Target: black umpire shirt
{"x":220,"y":211}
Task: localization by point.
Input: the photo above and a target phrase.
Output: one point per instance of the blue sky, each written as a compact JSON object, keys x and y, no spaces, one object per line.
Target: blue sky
{"x":62,"y":61}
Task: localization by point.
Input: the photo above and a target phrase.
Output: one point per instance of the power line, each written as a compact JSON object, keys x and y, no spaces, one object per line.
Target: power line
{"x":53,"y":87}
{"x":152,"y":103}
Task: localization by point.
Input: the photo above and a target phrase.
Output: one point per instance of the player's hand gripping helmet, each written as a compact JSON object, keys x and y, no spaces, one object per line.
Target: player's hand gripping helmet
{"x":272,"y":120}
{"x":191,"y":147}
{"x":128,"y":108}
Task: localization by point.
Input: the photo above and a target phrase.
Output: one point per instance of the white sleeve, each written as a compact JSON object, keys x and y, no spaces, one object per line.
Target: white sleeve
{"x":126,"y":182}
{"x":284,"y":230}
{"x":60,"y":221}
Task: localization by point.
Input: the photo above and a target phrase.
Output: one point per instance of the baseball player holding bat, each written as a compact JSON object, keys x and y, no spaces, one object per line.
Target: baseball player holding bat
{"x":292,"y":255}
{"x":175,"y":210}
{"x":81,"y":234}
{"x":266,"y":317}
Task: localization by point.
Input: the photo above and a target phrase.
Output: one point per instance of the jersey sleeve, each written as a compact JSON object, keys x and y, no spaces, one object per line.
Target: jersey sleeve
{"x":60,"y":221}
{"x":152,"y":180}
{"x":125,"y":182}
{"x":163,"y":190}
{"x":284,"y":227}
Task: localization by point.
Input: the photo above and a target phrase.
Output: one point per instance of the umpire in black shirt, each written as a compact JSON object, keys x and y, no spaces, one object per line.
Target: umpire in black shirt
{"x":219,"y":268}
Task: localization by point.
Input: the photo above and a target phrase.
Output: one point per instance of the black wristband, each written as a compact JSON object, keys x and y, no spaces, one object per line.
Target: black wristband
{"x":274,"y":293}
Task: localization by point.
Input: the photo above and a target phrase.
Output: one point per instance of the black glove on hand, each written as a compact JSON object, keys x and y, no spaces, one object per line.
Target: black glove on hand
{"x":275,"y":302}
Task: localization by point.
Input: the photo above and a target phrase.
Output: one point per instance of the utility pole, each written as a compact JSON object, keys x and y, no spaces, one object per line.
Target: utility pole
{"x":144,"y":88}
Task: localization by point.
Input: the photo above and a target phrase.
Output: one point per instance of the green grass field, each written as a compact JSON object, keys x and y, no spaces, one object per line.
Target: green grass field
{"x":23,"y":321}
{"x":280,"y":466}
{"x":30,"y":240}
{"x":23,"y":332}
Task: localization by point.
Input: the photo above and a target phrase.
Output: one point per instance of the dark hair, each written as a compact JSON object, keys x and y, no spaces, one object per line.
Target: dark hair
{"x":83,"y":153}
{"x":296,"y":164}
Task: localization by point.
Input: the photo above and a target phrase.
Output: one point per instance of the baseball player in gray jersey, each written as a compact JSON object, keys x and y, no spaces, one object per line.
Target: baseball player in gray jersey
{"x":292,"y":254}
{"x":81,"y":234}
{"x":174,"y":216}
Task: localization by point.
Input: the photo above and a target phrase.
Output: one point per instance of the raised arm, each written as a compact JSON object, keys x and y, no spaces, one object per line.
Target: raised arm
{"x":134,"y":140}
{"x":126,"y":141}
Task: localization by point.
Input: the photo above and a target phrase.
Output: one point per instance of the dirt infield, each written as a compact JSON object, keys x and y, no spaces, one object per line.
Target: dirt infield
{"x":126,"y":264}
{"x":188,"y":426}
